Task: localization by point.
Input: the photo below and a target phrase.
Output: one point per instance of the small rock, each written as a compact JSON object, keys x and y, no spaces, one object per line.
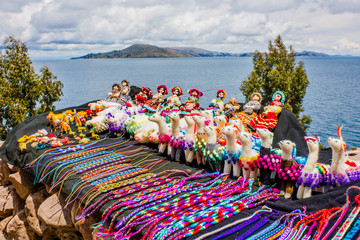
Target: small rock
{"x":23,"y":183}
{"x":4,"y":173}
{"x":16,"y":228}
{"x":17,"y":202}
{"x":68,"y":235}
{"x":4,"y":223}
{"x":84,"y":225}
{"x":33,"y":201}
{"x":52,"y":213}
{"x":13,"y":168}
{"x":6,"y":203}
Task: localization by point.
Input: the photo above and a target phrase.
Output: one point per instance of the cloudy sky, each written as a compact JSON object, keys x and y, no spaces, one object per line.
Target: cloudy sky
{"x":63,"y":28}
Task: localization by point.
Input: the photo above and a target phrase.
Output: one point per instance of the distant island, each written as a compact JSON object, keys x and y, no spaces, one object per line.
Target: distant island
{"x":151,"y":51}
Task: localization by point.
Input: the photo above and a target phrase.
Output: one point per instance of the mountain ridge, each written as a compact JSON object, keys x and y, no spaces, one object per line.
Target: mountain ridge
{"x":152,"y":51}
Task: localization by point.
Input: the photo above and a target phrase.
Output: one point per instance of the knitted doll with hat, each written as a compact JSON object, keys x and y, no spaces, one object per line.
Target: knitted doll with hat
{"x":232,"y":108}
{"x":251,"y":108}
{"x":124,"y":92}
{"x":172,"y":103}
{"x":157,"y":99}
{"x":269,"y":118}
{"x":192,"y":102}
{"x":217,"y":103}
{"x":142,"y":97}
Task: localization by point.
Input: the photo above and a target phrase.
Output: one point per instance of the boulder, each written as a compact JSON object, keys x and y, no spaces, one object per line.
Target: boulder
{"x":6,"y":201}
{"x":68,"y":235}
{"x":33,"y":202}
{"x":16,"y":228}
{"x":4,"y":173}
{"x":52,"y":213}
{"x":4,"y":223}
{"x":23,"y":183}
{"x":84,"y":225}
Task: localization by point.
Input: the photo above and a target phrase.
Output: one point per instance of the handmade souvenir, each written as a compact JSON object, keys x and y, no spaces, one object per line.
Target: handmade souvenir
{"x":189,"y":140}
{"x":232,"y":108}
{"x":249,"y":156}
{"x":343,"y":169}
{"x":268,"y":161}
{"x":142,"y":135}
{"x":114,"y":94}
{"x":177,"y":137}
{"x":157,"y":99}
{"x":172,"y":103}
{"x":164,"y":133}
{"x":135,"y":122}
{"x":192,"y":102}
{"x":124,"y":92}
{"x":217,"y":103}
{"x":200,"y":139}
{"x":221,"y":121}
{"x":289,"y":169}
{"x":313,"y":174}
{"x":116,"y":122}
{"x":213,"y":151}
{"x":142,"y":97}
{"x":269,"y":118}
{"x":232,"y":151}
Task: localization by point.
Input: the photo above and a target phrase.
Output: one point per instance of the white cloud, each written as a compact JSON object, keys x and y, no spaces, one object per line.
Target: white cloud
{"x":84,"y":26}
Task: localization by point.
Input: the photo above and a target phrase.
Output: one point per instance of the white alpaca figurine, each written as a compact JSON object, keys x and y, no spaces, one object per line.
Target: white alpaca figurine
{"x":238,"y":123}
{"x":343,"y":170}
{"x":208,"y":114}
{"x":189,"y":140}
{"x":134,"y":123}
{"x":220,"y":121}
{"x":268,"y":162}
{"x":177,"y":137}
{"x":116,"y":122}
{"x":249,"y":156}
{"x":313,"y":175}
{"x":200,"y":139}
{"x":214,"y":151}
{"x":142,"y":135}
{"x":232,"y":151}
{"x":289,"y":168}
{"x":164,"y":130}
{"x":98,"y":122}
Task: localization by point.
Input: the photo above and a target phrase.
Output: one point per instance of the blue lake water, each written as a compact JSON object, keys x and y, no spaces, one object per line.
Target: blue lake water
{"x":332,"y":97}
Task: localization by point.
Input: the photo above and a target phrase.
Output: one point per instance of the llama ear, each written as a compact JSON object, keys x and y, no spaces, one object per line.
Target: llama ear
{"x":237,"y":130}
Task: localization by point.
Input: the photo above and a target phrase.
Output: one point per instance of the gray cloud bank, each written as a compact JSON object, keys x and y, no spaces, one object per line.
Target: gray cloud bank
{"x":76,"y":27}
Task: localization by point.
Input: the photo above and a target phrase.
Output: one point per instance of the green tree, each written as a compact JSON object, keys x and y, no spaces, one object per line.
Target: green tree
{"x":275,"y":70}
{"x":23,"y":92}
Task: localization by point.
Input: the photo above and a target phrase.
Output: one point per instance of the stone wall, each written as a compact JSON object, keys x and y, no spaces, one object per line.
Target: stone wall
{"x":30,"y":212}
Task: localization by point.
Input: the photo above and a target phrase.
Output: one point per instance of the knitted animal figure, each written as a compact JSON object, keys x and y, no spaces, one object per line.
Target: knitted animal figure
{"x":213,"y":150}
{"x":177,"y":138}
{"x":313,"y":174}
{"x":209,"y":115}
{"x":116,"y":122}
{"x":268,"y":162}
{"x":221,"y":121}
{"x":288,"y":168}
{"x":249,"y":156}
{"x":189,"y":140}
{"x":342,"y":169}
{"x":144,"y":133}
{"x":133,"y":123}
{"x":98,"y":124}
{"x":164,"y":130}
{"x":200,"y":139}
{"x":232,"y":151}
{"x":238,"y":123}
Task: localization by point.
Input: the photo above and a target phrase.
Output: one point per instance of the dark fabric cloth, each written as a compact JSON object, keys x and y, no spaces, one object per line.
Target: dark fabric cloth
{"x":287,"y":128}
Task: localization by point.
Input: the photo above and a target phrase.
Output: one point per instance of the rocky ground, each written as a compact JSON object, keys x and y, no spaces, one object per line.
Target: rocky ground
{"x":30,"y":212}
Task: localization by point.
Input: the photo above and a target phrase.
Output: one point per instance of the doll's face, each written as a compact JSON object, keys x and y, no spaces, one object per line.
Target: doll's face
{"x":255,"y":98}
{"x":161,"y":90}
{"x":116,"y":88}
{"x":233,"y":100}
{"x":221,"y":94}
{"x":145,"y":92}
{"x":176,"y":92}
{"x":123,"y":83}
{"x":194,"y":93}
{"x":277,"y":97}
